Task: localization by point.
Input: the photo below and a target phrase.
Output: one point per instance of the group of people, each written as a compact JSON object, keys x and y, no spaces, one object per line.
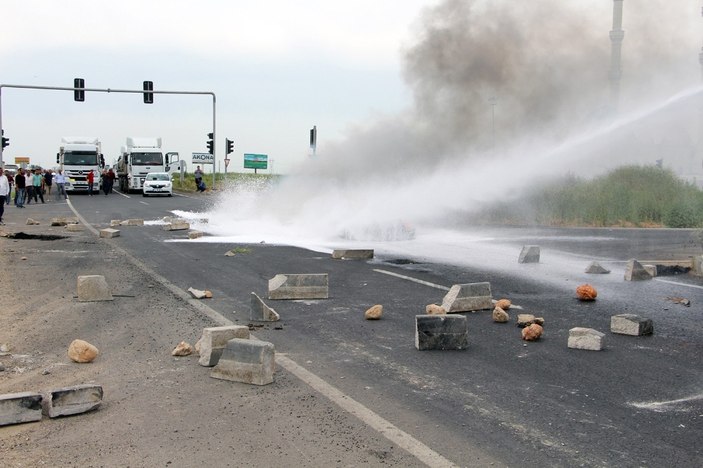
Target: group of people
{"x":107,"y":181}
{"x":29,"y":184}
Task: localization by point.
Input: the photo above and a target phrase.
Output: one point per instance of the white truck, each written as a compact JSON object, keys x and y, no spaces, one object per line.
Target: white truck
{"x":139,"y":157}
{"x":77,"y":157}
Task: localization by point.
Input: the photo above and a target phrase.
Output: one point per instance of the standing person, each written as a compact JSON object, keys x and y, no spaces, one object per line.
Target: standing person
{"x":111,"y":179}
{"x":19,"y":189}
{"x":198,"y":177}
{"x":60,"y":185}
{"x":105,"y":182}
{"x":28,"y":186}
{"x":48,"y":180}
{"x":38,"y":183}
{"x":11,"y":182}
{"x":4,"y":193}
{"x":91,"y":179}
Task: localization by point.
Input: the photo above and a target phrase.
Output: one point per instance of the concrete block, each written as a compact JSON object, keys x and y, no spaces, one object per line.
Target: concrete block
{"x":634,"y":271}
{"x":75,"y":228}
{"x":651,"y":269}
{"x":93,"y":288}
{"x":260,"y":311}
{"x":595,"y":268}
{"x":195,"y":234}
{"x":73,"y":400}
{"x":109,"y":233}
{"x":133,"y":222}
{"x":442,"y":332}
{"x":115,"y":222}
{"x":585,"y":338}
{"x":529,"y":254}
{"x":697,"y":265}
{"x":214,"y":340}
{"x":17,"y":408}
{"x":299,"y":286}
{"x":353,"y":254}
{"x":246,"y":361}
{"x":177,"y":226}
{"x":631,"y":324}
{"x":468,"y":297}
{"x":58,"y":221}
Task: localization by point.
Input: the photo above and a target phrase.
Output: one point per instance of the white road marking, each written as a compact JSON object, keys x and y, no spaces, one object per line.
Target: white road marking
{"x":661,"y":406}
{"x":679,"y":284}
{"x":414,"y":280}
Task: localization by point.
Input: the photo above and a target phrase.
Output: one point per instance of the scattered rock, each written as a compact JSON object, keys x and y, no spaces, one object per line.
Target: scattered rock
{"x":32,"y":222}
{"x":4,"y":348}
{"x":82,"y":351}
{"x":182,"y":349}
{"x":504,"y":303}
{"x":200,"y":294}
{"x":434,"y":309}
{"x":586,"y":292}
{"x":635,"y":271}
{"x":532,"y":332}
{"x":529,"y":254}
{"x":374,"y":313}
{"x":585,"y":338}
{"x":525,"y":320}
{"x":500,"y":315}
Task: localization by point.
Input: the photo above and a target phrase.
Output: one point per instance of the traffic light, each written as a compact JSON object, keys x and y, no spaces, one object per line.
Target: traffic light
{"x":210,"y":143}
{"x":229,"y":144}
{"x":313,"y":137}
{"x":5,"y":141}
{"x":79,"y":94}
{"x":148,"y":97}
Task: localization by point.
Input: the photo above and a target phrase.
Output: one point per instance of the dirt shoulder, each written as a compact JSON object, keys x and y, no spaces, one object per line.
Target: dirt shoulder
{"x":158,"y":410}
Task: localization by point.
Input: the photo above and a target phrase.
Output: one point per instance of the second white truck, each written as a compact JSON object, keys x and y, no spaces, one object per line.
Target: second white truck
{"x":138,"y":157}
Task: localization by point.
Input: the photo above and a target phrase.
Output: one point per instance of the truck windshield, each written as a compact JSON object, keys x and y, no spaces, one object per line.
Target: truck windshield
{"x":147,"y":159}
{"x":80,"y":158}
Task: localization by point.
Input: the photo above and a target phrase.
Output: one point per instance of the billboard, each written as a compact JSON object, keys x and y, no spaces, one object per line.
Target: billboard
{"x":203,"y":158}
{"x":21,"y":159}
{"x":256,"y":161}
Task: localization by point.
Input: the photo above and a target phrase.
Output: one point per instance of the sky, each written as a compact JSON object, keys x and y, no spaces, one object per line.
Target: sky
{"x":277,"y":68}
{"x":392,"y":86}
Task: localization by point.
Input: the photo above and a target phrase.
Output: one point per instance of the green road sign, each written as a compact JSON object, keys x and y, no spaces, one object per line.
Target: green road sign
{"x":256,"y":161}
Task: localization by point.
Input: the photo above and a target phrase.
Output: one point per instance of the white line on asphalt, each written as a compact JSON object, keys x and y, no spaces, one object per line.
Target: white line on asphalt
{"x":665,"y":405}
{"x":678,"y":284}
{"x":394,"y":434}
{"x":414,"y":280}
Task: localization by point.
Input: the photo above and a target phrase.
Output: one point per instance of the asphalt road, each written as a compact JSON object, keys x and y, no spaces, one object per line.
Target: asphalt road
{"x":639,"y":402}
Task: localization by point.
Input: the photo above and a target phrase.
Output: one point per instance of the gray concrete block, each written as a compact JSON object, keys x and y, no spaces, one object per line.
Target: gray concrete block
{"x":697,"y":265}
{"x":133,"y":222}
{"x":299,"y":286}
{"x":635,"y":271}
{"x":441,"y":332}
{"x":74,"y":228}
{"x":353,"y":254}
{"x":468,"y":297}
{"x":73,"y":400}
{"x":92,"y":288}
{"x":109,"y":233}
{"x":18,"y":408}
{"x":651,"y":269}
{"x":260,"y":311}
{"x":631,"y":324}
{"x":195,"y":234}
{"x":246,"y":361}
{"x":585,"y":338}
{"x":214,"y":340}
{"x":529,"y":254}
{"x":177,"y":226}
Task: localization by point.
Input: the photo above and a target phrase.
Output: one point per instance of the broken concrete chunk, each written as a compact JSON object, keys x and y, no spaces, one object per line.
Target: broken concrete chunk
{"x":18,"y":408}
{"x":74,"y":228}
{"x":195,"y":234}
{"x":246,"y":361}
{"x":182,"y":349}
{"x":634,"y":271}
{"x":500,"y":316}
{"x":109,"y":233}
{"x":585,"y":338}
{"x":260,"y":311}
{"x":200,"y":294}
{"x":468,"y":298}
{"x":631,"y":324}
{"x":73,"y":400}
{"x":353,"y":254}
{"x":529,"y":254}
{"x":299,"y":286}
{"x":177,"y":226}
{"x":93,"y":288}
{"x":596,"y":269}
{"x":214,"y":339}
{"x":434,"y":309}
{"x":32,"y":222}
{"x":441,"y":332}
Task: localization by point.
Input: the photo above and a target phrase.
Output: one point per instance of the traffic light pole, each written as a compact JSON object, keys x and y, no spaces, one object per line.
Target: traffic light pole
{"x":109,"y":90}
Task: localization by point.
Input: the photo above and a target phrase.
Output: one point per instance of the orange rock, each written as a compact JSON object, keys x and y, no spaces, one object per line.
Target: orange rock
{"x":434,"y":309}
{"x":82,"y":351}
{"x":532,"y":332}
{"x":182,"y":349}
{"x":374,"y":313}
{"x":586,"y":292}
{"x":504,"y":304}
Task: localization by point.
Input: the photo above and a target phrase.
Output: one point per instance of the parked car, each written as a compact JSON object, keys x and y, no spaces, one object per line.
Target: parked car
{"x":157,"y":183}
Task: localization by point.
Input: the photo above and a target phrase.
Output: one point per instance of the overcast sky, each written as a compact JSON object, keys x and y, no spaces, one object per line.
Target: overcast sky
{"x":277,"y":68}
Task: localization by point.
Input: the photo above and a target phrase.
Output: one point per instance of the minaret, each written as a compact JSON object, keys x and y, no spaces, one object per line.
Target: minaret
{"x":616,"y":37}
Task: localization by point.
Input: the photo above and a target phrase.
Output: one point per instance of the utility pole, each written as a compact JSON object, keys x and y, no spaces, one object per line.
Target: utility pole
{"x":616,"y":37}
{"x":493,"y":101}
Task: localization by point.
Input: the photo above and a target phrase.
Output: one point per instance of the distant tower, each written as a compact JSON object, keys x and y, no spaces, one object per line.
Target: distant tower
{"x":616,"y":37}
